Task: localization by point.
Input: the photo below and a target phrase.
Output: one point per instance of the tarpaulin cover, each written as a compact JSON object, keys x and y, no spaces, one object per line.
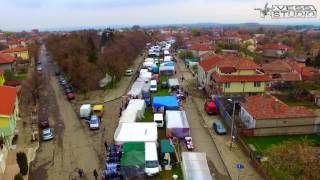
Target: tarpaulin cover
{"x":134,"y":111}
{"x":133,"y":154}
{"x":136,"y":132}
{"x":173,"y":82}
{"x":133,"y":160}
{"x":166,"y":146}
{"x":177,"y":123}
{"x":169,"y":102}
{"x":195,"y":166}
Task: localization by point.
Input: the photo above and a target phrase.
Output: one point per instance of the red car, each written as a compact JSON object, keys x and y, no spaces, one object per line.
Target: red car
{"x":71,"y":96}
{"x":210,"y":107}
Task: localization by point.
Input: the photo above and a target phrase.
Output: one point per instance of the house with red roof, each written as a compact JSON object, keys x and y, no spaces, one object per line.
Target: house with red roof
{"x":7,"y":62}
{"x":265,"y":115}
{"x":230,"y":74}
{"x":19,"y":52}
{"x":275,"y":50}
{"x":200,"y":48}
{"x":9,"y":112}
{"x":15,"y":43}
{"x":282,"y":71}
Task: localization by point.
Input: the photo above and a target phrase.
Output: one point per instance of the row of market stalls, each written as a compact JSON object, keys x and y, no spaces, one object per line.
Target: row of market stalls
{"x":142,"y":151}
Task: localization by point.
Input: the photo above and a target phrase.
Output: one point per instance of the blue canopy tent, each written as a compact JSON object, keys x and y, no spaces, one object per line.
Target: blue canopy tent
{"x":169,"y":102}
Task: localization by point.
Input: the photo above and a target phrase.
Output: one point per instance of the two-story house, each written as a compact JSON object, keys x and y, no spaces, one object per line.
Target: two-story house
{"x":238,"y":75}
{"x":230,"y":74}
{"x":9,"y":111}
{"x":19,"y":52}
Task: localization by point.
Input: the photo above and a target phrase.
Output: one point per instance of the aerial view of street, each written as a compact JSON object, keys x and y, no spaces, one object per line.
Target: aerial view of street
{"x":179,"y":90}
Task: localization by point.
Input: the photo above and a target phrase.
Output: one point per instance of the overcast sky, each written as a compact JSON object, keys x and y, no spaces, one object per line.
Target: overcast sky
{"x":27,"y":14}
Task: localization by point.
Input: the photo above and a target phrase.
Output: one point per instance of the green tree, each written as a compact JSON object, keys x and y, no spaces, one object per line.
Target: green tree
{"x":195,"y":32}
{"x":22,"y":162}
{"x":18,"y":177}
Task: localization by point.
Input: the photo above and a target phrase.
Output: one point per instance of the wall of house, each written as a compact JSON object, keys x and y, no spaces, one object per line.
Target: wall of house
{"x":284,"y":130}
{"x":247,"y":119}
{"x":284,"y":122}
{"x":23,"y":55}
{"x":245,"y":87}
{"x":246,"y":72}
{"x":2,"y":80}
{"x":7,"y":66}
{"x":201,"y":76}
{"x":273,"y":53}
{"x":4,"y":122}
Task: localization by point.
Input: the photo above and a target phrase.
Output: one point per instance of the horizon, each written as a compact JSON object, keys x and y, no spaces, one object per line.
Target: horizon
{"x":60,"y":14}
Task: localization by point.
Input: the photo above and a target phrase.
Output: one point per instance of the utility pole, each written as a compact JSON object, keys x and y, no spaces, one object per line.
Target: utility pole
{"x":232,"y":122}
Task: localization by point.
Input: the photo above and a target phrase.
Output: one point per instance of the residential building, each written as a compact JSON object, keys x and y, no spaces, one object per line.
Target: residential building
{"x":230,"y":74}
{"x":199,"y":49}
{"x":19,"y":52}
{"x":9,"y":111}
{"x":2,"y":79}
{"x":7,"y":62}
{"x":17,"y":43}
{"x":275,"y":50}
{"x":265,"y":115}
{"x":282,"y":71}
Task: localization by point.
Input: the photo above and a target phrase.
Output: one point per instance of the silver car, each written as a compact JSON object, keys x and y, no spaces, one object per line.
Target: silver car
{"x":47,"y":134}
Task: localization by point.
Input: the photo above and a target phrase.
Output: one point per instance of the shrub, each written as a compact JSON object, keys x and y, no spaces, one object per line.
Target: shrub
{"x":18,"y":177}
{"x":22,"y":162}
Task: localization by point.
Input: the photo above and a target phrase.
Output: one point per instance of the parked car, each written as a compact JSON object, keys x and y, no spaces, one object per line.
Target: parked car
{"x":94,"y":122}
{"x":210,"y":108}
{"x":43,"y":123}
{"x":71,"y":96}
{"x":47,"y":134}
{"x":129,"y":72}
{"x":63,"y":82}
{"x":39,"y":68}
{"x":219,"y":128}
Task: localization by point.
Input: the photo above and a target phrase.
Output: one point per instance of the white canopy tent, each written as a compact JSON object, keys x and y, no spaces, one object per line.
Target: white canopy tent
{"x":135,"y":110}
{"x":136,"y":132}
{"x":194,"y":166}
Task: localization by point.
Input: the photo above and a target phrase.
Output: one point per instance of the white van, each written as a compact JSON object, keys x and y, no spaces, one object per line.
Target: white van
{"x":153,"y":86}
{"x":152,"y":166}
{"x":85,"y":110}
{"x":158,"y":118}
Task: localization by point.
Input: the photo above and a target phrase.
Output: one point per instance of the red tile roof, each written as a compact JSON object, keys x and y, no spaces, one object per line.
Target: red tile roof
{"x":200,"y":47}
{"x":4,"y":59}
{"x":12,"y":50}
{"x":277,"y":46}
{"x":240,"y":78}
{"x":8,"y":98}
{"x":210,"y":63}
{"x":277,"y":66}
{"x":263,"y":107}
{"x":290,"y":77}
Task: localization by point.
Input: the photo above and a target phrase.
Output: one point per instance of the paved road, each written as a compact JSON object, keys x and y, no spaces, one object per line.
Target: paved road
{"x":201,"y":137}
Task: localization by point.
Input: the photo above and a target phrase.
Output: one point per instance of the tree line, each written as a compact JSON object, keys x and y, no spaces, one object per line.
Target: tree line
{"x":85,"y":61}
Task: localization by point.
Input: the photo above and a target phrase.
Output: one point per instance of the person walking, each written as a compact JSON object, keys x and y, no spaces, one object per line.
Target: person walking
{"x":95,"y":174}
{"x":81,"y":173}
{"x":106,"y":145}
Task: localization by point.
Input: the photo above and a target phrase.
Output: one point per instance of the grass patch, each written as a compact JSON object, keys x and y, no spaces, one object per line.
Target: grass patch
{"x":20,"y":76}
{"x":148,"y":115}
{"x":164,"y":175}
{"x":163,"y":77}
{"x":296,"y":102}
{"x":263,"y":143}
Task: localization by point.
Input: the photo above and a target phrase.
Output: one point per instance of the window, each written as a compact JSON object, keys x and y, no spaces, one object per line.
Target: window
{"x":226,"y":85}
{"x":257,"y":84}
